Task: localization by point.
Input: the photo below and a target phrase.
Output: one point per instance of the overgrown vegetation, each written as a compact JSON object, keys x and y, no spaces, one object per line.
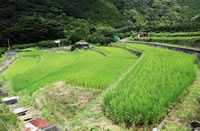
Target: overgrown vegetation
{"x":2,"y":58}
{"x":8,"y":120}
{"x":148,"y":91}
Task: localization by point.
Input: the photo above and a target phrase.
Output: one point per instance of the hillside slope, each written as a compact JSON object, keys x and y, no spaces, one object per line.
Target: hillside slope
{"x":27,"y":21}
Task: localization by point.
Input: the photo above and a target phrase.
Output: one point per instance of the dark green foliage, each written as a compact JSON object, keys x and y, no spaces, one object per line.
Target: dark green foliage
{"x":178,"y":27}
{"x":34,"y":29}
{"x":103,"y":36}
{"x":2,"y":50}
{"x":65,"y":42}
{"x":26,"y":21}
{"x":47,"y":44}
{"x":14,"y":47}
{"x":42,"y":44}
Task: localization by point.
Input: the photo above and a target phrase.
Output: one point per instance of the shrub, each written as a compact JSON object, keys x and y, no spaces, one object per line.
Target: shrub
{"x":99,"y":38}
{"x":65,"y":42}
{"x":47,"y":44}
{"x":14,"y":47}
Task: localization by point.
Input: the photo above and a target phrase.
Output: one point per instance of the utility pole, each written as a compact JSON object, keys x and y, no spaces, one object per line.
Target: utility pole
{"x":8,"y":44}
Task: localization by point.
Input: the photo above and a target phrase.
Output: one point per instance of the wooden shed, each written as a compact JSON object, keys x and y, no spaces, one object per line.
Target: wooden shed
{"x":143,"y":34}
{"x":41,"y":125}
{"x":83,"y":45}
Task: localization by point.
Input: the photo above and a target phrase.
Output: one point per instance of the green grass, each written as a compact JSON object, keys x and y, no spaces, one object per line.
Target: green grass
{"x":7,"y":119}
{"x":184,"y":41}
{"x":3,"y":58}
{"x":33,"y":49}
{"x":84,"y":68}
{"x":148,"y":91}
{"x":168,"y":34}
{"x":168,"y":38}
{"x":33,"y":53}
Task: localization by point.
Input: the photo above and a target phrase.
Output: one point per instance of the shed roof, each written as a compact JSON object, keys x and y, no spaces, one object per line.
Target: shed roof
{"x":143,"y":33}
{"x":40,"y":123}
{"x":10,"y":98}
{"x":82,"y":42}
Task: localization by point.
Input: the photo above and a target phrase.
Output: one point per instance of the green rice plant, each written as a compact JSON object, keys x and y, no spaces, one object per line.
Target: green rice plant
{"x":84,"y":68}
{"x":33,"y":53}
{"x":147,"y":92}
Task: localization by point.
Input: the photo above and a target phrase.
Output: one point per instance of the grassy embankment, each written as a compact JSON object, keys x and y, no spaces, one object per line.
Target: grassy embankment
{"x":2,"y":56}
{"x":8,"y":120}
{"x":190,"y":39}
{"x":146,"y":93}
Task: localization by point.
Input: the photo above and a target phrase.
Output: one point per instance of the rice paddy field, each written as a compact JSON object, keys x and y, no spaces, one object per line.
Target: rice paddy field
{"x":142,"y":97}
{"x":147,"y":92}
{"x":84,"y":68}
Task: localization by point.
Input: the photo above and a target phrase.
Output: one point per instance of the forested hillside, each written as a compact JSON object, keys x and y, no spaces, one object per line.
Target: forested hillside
{"x":28,"y":21}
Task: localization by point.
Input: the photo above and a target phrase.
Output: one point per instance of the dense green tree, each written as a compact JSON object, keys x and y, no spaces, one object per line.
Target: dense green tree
{"x":27,"y":21}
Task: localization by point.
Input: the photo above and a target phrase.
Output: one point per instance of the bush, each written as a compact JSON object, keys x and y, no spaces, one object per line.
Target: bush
{"x":96,"y":38}
{"x":47,"y":44}
{"x":14,"y":47}
{"x":42,"y":44}
{"x":65,"y":42}
{"x":2,"y":51}
{"x":107,"y":31}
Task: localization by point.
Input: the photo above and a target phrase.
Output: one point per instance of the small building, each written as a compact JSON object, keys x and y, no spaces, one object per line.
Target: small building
{"x":40,"y":125}
{"x":10,"y":100}
{"x":143,"y":34}
{"x":83,"y":45}
{"x":58,"y":41}
{"x":116,"y":38}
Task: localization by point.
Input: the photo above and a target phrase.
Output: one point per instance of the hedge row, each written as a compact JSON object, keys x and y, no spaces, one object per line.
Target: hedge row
{"x":42,"y":44}
{"x":183,"y":42}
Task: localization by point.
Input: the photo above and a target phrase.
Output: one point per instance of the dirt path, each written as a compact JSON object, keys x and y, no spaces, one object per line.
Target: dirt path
{"x":11,"y":58}
{"x":92,"y":117}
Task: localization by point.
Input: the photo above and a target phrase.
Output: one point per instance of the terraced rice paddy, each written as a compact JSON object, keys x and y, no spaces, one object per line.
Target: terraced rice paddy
{"x":84,"y":68}
{"x":147,"y":92}
{"x":142,"y":97}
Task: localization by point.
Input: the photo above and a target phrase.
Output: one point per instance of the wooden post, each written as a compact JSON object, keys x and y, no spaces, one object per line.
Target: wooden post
{"x":8,"y":44}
